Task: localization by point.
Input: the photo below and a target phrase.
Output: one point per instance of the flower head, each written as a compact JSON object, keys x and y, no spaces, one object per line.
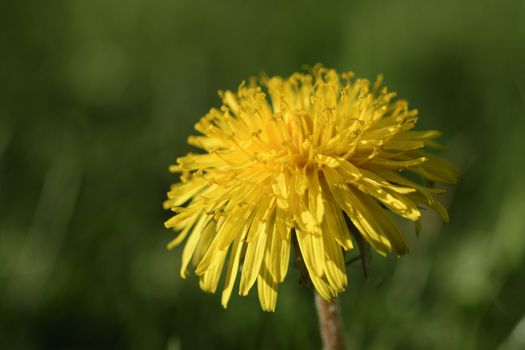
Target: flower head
{"x":300,"y":160}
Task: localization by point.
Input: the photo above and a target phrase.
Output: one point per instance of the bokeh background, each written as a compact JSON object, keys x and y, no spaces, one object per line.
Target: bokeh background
{"x":97,"y":99}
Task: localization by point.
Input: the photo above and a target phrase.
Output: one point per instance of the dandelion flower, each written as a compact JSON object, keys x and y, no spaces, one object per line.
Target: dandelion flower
{"x":304,"y":159}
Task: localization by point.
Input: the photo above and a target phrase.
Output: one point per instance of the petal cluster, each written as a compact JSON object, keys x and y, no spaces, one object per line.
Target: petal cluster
{"x":300,"y":162}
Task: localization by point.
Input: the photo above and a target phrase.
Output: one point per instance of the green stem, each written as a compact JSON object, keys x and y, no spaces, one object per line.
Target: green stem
{"x":330,"y":325}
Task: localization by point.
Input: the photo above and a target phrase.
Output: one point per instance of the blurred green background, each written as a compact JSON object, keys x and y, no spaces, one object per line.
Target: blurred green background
{"x":97,"y":99}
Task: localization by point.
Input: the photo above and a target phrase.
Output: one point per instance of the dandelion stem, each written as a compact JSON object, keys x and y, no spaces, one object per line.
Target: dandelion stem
{"x":330,"y":325}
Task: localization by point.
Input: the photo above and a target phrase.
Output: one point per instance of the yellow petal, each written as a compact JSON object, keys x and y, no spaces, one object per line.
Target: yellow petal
{"x":335,"y":264}
{"x":255,"y":248}
{"x":348,"y":202}
{"x":210,"y":279}
{"x":370,"y":212}
{"x":397,"y":164}
{"x":267,"y":290}
{"x":312,"y":250}
{"x":233,"y":268}
{"x":206,"y":229}
{"x":397,"y":203}
{"x":282,"y":250}
{"x":182,"y":192}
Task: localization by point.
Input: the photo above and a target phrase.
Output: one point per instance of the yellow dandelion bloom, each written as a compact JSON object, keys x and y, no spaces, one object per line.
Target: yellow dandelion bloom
{"x":293,"y":160}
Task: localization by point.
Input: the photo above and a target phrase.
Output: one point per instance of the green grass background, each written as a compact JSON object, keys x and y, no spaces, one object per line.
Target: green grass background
{"x":97,"y":99}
